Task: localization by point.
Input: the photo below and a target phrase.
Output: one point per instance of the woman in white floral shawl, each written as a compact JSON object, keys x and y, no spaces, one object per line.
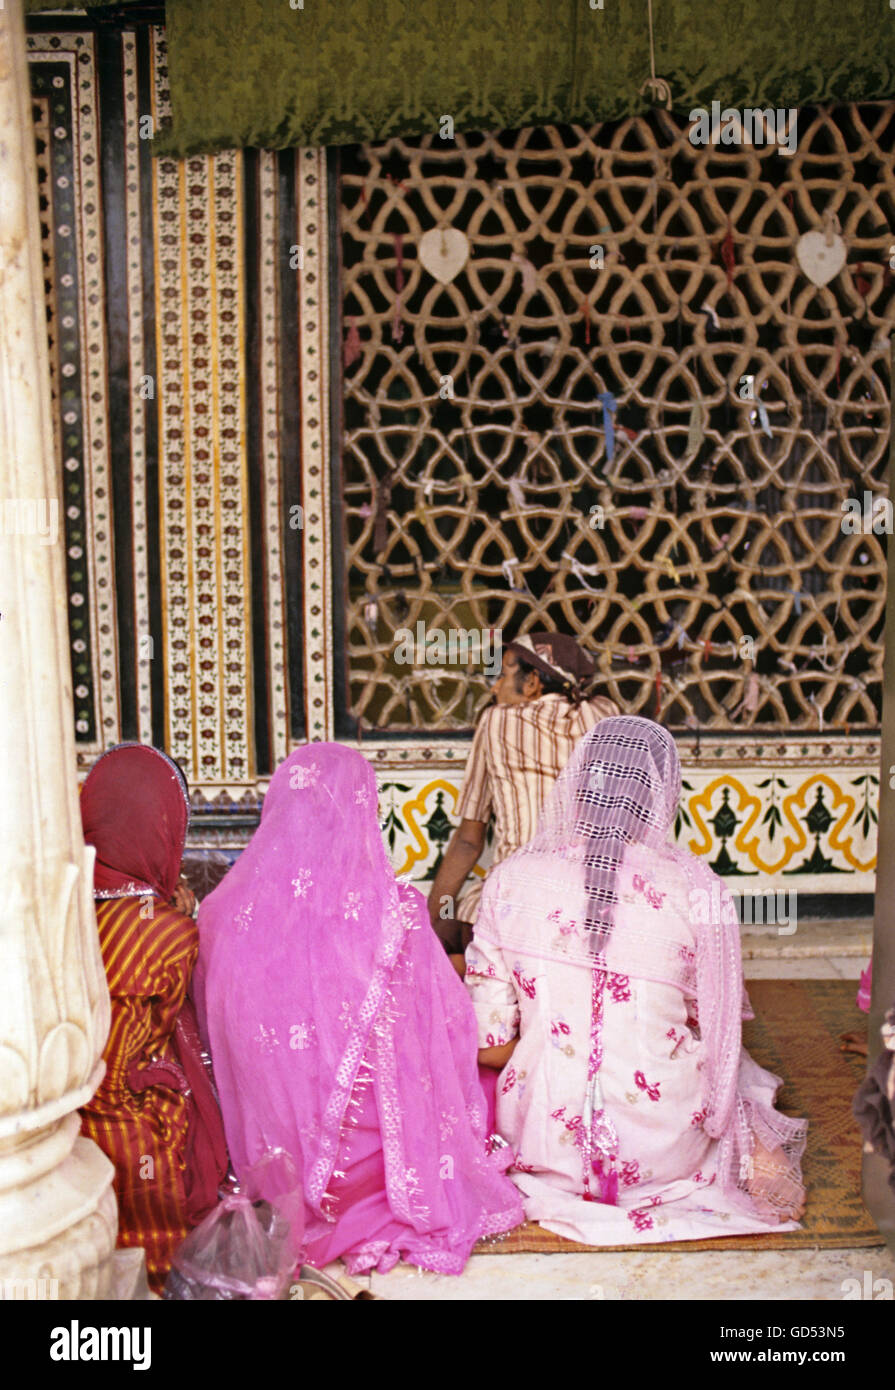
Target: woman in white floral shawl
{"x":606,"y":977}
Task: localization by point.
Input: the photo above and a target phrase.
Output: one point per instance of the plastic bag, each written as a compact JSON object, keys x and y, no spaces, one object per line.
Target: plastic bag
{"x":243,"y":1250}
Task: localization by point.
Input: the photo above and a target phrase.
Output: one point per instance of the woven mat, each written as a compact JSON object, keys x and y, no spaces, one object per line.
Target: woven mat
{"x":796,"y":1035}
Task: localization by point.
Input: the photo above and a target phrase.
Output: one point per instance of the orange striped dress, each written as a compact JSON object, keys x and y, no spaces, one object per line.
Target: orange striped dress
{"x":149,"y":962}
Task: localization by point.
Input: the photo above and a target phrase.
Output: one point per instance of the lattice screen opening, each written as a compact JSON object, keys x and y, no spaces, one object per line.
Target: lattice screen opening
{"x":721,"y":516}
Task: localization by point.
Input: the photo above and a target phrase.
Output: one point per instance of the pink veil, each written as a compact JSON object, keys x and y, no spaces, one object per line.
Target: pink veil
{"x":620,"y":788}
{"x":319,"y":976}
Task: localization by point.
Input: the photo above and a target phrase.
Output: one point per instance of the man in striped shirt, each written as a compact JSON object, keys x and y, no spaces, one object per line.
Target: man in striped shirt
{"x":521,"y":744}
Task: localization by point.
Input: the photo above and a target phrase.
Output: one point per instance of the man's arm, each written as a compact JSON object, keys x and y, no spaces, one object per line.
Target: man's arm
{"x":474,"y":809}
{"x":460,"y":857}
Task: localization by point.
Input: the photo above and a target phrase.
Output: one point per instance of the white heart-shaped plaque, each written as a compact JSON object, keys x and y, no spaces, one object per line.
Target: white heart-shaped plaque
{"x":443,"y":251}
{"x":819,"y":258}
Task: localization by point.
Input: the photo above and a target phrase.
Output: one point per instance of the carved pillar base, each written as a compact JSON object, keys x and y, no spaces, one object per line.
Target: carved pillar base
{"x":58,"y":1219}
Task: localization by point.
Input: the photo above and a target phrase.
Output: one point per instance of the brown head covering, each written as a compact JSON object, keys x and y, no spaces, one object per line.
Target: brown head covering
{"x":135,"y":810}
{"x":557,"y":657}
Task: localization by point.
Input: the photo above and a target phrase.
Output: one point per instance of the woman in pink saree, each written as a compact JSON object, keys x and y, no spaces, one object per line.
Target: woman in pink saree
{"x":344,"y":1043}
{"x":606,"y":977}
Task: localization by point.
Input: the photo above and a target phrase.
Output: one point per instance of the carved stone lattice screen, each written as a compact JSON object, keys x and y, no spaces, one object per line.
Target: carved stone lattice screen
{"x":480,"y":485}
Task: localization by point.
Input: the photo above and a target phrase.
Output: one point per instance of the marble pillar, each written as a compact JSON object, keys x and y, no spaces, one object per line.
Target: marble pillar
{"x":58,"y":1219}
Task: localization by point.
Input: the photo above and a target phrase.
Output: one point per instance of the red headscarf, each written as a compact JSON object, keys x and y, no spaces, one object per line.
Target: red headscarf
{"x":135,"y":810}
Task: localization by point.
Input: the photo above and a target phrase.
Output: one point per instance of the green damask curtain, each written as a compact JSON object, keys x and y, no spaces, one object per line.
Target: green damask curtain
{"x":261,"y":72}
{"x":336,"y":71}
{"x":38,"y":6}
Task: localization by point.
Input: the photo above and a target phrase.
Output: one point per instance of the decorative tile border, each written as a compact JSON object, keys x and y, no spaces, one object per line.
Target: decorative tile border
{"x":807,"y":827}
{"x":314,"y":367}
{"x":810,"y":827}
{"x":40,"y":108}
{"x":277,"y":529}
{"x":65,"y":64}
{"x":198,"y":207}
{"x":141,"y":400}
{"x":172,"y":356}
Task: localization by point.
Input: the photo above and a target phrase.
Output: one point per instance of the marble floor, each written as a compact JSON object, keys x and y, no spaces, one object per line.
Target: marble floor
{"x":816,"y":950}
{"x":805,"y":967}
{"x":734,"y":1275}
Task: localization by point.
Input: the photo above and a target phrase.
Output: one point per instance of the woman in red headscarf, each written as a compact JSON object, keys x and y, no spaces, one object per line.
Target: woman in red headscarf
{"x":155,"y":1113}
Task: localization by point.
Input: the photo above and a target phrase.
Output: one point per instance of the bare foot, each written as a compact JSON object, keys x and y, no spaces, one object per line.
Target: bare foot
{"x":771,"y":1183}
{"x":854,"y":1042}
